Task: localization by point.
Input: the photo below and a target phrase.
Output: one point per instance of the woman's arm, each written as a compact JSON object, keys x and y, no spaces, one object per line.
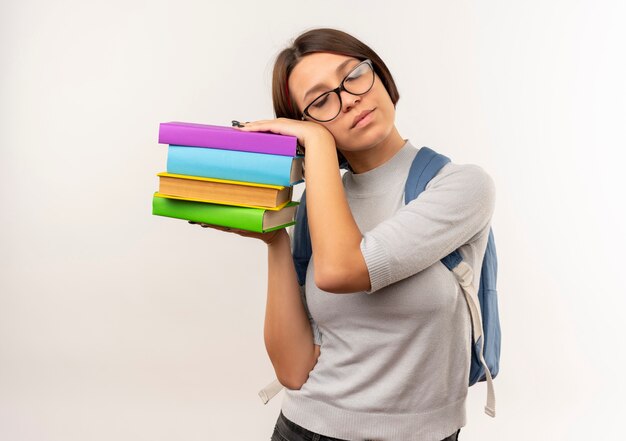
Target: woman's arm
{"x":288,"y":335}
{"x":339,"y":263}
{"x":336,"y":238}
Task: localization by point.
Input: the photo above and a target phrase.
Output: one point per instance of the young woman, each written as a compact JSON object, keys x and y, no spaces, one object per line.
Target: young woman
{"x":379,"y":349}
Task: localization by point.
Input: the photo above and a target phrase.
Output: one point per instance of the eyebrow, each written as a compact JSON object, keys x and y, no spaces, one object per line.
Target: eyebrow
{"x":321,"y":86}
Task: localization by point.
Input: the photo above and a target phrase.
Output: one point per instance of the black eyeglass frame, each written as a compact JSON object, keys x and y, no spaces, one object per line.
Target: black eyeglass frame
{"x":338,"y":90}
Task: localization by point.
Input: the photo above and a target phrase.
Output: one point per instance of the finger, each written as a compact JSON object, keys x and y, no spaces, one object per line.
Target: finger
{"x":258,"y":121}
{"x":267,"y":126}
{"x":261,"y":122}
{"x":217,"y":227}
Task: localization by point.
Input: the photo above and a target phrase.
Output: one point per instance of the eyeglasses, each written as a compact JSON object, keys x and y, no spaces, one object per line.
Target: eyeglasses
{"x":328,"y":105}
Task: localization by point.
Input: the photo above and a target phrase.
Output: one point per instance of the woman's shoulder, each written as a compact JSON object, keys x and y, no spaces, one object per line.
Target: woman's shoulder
{"x":471,"y":175}
{"x":463,"y":185}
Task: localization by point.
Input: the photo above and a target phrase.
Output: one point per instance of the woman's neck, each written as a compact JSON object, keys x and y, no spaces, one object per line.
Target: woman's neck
{"x":365,"y":160}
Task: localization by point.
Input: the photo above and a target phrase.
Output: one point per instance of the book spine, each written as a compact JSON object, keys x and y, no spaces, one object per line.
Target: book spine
{"x":230,"y":216}
{"x":227,"y":139}
{"x":231,"y":165}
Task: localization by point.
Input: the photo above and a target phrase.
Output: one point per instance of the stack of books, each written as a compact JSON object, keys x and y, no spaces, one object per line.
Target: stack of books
{"x":223,"y":176}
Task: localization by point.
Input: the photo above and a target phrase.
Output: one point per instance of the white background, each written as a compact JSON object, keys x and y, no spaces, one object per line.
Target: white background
{"x":119,"y":325}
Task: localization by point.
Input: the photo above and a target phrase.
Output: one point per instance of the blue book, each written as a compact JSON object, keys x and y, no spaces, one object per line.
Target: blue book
{"x":235,"y":165}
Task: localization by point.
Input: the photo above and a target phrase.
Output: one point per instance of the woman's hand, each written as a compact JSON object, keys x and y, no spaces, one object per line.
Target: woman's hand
{"x":268,"y":238}
{"x":303,"y":130}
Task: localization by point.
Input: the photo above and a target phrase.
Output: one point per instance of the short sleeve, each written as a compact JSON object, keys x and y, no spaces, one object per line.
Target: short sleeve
{"x":455,"y":207}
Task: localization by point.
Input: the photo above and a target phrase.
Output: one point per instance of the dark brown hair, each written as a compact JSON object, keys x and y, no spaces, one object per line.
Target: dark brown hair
{"x":322,"y":40}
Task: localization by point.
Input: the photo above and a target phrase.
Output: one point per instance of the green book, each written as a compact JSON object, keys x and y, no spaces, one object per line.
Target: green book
{"x":231,"y":216}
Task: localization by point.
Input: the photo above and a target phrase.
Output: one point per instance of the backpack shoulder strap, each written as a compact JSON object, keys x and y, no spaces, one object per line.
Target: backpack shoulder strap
{"x":301,"y":248}
{"x":425,"y":166}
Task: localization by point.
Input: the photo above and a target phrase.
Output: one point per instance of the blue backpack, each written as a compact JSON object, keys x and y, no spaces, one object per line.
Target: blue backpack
{"x":485,"y":320}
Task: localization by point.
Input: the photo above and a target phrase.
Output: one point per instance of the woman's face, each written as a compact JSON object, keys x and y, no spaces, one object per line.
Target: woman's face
{"x":320,"y":69}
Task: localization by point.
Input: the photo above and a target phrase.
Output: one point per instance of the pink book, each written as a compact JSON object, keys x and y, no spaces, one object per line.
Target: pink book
{"x":227,"y":138}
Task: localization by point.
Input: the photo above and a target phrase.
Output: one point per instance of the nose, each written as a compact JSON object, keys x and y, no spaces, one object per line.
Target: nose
{"x":348,"y":100}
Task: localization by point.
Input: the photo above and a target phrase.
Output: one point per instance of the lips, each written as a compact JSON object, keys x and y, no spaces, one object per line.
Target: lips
{"x":360,"y":116}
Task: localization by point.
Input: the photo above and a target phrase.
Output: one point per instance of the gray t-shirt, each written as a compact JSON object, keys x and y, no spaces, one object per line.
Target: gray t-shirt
{"x":394,"y":361}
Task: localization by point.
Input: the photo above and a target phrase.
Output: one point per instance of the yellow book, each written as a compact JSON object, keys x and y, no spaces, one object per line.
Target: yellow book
{"x":223,"y":191}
